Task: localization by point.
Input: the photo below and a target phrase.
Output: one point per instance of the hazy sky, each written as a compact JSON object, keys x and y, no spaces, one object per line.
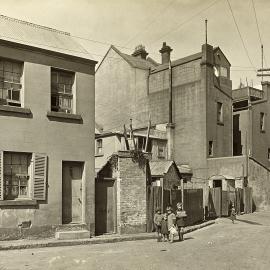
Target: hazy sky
{"x":150,"y":22}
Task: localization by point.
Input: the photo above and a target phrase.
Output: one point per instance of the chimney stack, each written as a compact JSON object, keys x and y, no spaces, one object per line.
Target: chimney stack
{"x":140,"y":52}
{"x":165,"y":53}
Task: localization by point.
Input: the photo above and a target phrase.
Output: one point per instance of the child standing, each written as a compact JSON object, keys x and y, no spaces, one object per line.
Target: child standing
{"x":233,"y":213}
{"x":157,"y":223}
{"x":180,"y":220}
{"x":164,"y":228}
{"x":171,"y":223}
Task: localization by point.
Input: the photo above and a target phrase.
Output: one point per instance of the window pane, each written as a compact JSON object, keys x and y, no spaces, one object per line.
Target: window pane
{"x":54,"y":77}
{"x":7,"y":158}
{"x":7,"y":170}
{"x":16,"y":95}
{"x":8,"y":66}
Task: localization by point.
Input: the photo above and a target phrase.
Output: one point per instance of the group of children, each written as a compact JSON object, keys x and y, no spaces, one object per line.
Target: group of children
{"x":168,"y":225}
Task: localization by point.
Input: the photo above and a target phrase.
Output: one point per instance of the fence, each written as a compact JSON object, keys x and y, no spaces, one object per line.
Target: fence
{"x":220,"y":202}
{"x":193,"y":203}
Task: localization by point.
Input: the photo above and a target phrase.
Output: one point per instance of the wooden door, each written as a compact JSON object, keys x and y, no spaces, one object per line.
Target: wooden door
{"x":215,"y":202}
{"x":105,"y":214}
{"x":72,"y":193}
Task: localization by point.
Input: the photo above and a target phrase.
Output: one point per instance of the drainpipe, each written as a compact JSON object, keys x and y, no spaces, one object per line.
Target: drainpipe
{"x":170,"y":125}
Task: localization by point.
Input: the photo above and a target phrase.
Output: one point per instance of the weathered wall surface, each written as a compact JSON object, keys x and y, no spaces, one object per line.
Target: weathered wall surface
{"x":110,"y":145}
{"x":260,"y":139}
{"x":227,"y":166}
{"x":119,"y":88}
{"x":59,"y":140}
{"x":131,"y":196}
{"x":259,"y":180}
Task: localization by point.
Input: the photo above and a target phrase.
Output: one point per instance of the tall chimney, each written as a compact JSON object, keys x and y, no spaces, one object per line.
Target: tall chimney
{"x":165,"y":53}
{"x":140,"y":52}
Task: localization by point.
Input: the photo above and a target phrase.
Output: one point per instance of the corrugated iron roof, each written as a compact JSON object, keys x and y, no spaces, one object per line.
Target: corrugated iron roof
{"x":160,"y":167}
{"x":39,"y":36}
{"x":185,"y":169}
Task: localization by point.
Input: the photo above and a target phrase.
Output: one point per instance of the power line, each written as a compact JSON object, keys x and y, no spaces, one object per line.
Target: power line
{"x":162,"y":11}
{"x":101,"y":42}
{"x":242,"y":40}
{"x":186,"y":21}
{"x":257,"y":24}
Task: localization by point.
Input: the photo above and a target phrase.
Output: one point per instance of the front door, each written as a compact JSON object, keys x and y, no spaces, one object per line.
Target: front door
{"x":105,"y":207}
{"x":72,"y":192}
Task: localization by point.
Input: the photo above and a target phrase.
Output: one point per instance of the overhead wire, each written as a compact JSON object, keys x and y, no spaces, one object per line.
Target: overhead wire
{"x":240,"y":35}
{"x":186,"y":21}
{"x":258,"y":29}
{"x":157,"y":16}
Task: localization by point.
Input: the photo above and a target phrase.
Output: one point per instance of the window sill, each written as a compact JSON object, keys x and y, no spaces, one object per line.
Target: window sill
{"x":18,"y":202}
{"x":65,"y":117}
{"x":15,"y":111}
{"x":220,"y":123}
{"x":99,"y":155}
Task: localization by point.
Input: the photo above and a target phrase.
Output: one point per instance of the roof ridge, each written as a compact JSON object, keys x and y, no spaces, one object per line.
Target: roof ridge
{"x":34,"y":25}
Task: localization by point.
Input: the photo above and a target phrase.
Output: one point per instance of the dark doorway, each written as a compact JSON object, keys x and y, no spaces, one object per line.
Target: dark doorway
{"x":217,"y":183}
{"x":237,"y":144}
{"x":105,"y":202}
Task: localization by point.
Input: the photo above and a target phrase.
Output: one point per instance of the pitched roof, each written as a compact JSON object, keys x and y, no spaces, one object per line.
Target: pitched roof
{"x":135,"y":62}
{"x":39,"y":36}
{"x":161,"y":167}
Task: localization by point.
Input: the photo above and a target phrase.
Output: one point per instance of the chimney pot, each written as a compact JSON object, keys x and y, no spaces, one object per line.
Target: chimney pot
{"x":140,"y":52}
{"x":165,"y":53}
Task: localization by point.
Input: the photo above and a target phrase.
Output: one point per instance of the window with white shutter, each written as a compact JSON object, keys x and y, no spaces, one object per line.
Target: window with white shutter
{"x":39,"y":176}
{"x":1,"y":176}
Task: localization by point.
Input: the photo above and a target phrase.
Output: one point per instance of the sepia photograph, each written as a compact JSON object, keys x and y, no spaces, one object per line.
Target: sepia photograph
{"x":134,"y":135}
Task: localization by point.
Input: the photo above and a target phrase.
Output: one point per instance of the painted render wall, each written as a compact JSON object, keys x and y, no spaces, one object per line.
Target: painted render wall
{"x":259,"y":180}
{"x":260,"y":139}
{"x":60,"y":140}
{"x":118,"y":90}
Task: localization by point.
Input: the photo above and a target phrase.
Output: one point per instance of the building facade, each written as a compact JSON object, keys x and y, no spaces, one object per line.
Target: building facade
{"x":198,"y":87}
{"x":46,"y":117}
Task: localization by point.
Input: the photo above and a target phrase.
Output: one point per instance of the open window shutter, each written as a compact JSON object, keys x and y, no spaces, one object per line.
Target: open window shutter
{"x":39,"y":176}
{"x":1,"y":175}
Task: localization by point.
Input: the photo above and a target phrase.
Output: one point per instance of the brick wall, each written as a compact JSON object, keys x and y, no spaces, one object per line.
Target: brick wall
{"x":131,"y":195}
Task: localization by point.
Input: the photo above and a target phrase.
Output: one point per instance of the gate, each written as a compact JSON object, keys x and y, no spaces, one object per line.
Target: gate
{"x":154,"y":201}
{"x":193,"y":203}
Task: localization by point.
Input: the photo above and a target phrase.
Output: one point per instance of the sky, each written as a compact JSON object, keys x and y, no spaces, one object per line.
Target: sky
{"x":181,"y":23}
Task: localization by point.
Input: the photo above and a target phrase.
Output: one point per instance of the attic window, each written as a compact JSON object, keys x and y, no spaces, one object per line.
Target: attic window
{"x":223,"y":72}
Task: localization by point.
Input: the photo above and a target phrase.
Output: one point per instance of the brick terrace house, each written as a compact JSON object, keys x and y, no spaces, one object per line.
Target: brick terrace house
{"x":46,"y":118}
{"x":200,"y":128}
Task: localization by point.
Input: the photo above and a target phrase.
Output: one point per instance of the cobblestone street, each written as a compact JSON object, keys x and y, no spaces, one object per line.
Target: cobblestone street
{"x":244,"y":245}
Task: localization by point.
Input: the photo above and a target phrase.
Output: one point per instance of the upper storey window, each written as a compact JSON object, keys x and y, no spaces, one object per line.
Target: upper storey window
{"x":62,"y":91}
{"x":221,"y":71}
{"x":10,"y":82}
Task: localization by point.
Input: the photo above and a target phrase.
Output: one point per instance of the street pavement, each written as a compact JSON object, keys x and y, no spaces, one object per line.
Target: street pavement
{"x":243,"y":245}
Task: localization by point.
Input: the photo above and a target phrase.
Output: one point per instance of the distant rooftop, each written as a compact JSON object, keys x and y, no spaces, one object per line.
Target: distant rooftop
{"x":244,"y":92}
{"x":39,"y":36}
